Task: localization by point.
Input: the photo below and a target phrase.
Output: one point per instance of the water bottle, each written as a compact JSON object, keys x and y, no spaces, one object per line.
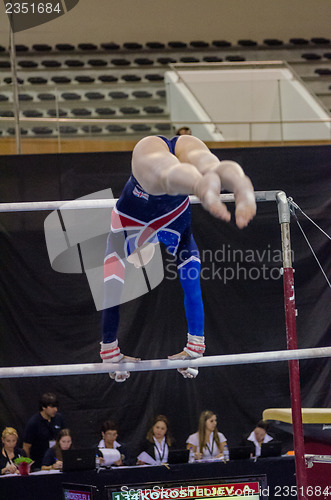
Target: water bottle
{"x":191,"y":456}
{"x":226,"y":454}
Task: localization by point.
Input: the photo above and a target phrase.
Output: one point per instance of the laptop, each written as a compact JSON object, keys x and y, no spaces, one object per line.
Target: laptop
{"x":271,"y":449}
{"x":178,"y":456}
{"x":79,"y":459}
{"x":240,"y":453}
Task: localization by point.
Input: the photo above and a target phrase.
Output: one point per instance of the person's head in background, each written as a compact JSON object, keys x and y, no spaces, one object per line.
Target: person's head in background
{"x":48,"y":405}
{"x":109,"y":433}
{"x":9,"y":438}
{"x":159,"y":430}
{"x":184,"y":131}
{"x":261,"y":430}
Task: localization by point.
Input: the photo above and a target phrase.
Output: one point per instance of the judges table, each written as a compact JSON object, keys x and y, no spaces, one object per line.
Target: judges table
{"x":280,"y":473}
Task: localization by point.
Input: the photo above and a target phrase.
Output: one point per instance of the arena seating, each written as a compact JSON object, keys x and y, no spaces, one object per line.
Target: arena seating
{"x":130,"y":78}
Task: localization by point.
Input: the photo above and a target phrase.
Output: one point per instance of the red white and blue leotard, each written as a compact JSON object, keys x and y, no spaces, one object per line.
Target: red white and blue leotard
{"x":141,"y":217}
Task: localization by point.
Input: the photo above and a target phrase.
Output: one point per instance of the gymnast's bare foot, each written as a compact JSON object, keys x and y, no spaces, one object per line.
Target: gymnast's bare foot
{"x":208,"y":191}
{"x":245,"y":202}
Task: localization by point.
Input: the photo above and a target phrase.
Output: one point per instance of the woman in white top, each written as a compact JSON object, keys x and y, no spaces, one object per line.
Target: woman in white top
{"x":207,"y":443}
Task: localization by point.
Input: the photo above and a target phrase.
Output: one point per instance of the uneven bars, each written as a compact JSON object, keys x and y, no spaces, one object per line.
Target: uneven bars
{"x":34,"y":206}
{"x":163,"y":364}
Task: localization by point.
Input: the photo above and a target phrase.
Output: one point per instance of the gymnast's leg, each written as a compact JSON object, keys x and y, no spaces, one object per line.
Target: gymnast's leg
{"x":114,"y":276}
{"x":189,"y":267}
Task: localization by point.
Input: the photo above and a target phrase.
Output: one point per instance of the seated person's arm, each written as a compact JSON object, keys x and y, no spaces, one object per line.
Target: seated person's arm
{"x":27,"y":448}
{"x":197,"y":454}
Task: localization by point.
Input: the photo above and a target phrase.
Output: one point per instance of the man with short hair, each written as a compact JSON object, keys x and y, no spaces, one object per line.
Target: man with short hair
{"x":42,"y":428}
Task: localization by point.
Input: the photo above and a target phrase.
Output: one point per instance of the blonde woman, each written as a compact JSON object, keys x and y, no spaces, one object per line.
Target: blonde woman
{"x":207,"y":443}
{"x":53,"y":456}
{"x":9,"y":451}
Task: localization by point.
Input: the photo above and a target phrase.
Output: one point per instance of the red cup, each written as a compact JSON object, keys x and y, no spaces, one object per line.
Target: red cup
{"x":24,"y":468}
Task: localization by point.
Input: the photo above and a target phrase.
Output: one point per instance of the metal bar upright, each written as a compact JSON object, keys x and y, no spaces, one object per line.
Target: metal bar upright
{"x":291,"y":335}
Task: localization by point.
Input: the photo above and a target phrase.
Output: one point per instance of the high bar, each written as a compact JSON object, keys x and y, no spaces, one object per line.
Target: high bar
{"x":164,"y":364}
{"x":34,"y":206}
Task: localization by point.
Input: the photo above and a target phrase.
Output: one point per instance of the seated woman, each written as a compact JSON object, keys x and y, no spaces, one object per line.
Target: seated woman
{"x":158,"y":440}
{"x":112,"y":452}
{"x":53,"y":457}
{"x":207,"y":443}
{"x":9,"y":451}
{"x":257,"y":437}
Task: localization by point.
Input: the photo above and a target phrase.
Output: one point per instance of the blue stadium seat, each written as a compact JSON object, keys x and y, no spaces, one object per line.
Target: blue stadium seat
{"x":42,"y":130}
{"x":129,"y":110}
{"x":310,"y":56}
{"x":163,"y":127}
{"x":32,"y":113}
{"x":110,"y":46}
{"x":142,"y":94}
{"x":247,"y":43}
{"x":74,"y":63}
{"x":177,"y":45}
{"x":7,"y":114}
{"x":65,"y":47}
{"x":299,"y":41}
{"x":140,"y":127}
{"x":46,"y":97}
{"x":212,"y":59}
{"x":71,"y":96}
{"x":25,"y":97}
{"x":155,"y":45}
{"x":12,"y":131}
{"x":131,"y":78}
{"x":221,"y":43}
{"x":166,"y":60}
{"x":21,"y":48}
{"x":154,"y":77}
{"x":273,"y":42}
{"x":84,"y":79}
{"x":105,"y":111}
{"x":97,"y":62}
{"x":153,"y":110}
{"x":199,"y":44}
{"x":3,"y":98}
{"x":94,"y":95}
{"x":319,"y":40}
{"x":92,"y":129}
{"x":118,"y":95}
{"x":27,"y":64}
{"x":115,"y":128}
{"x":68,"y":129}
{"x":189,"y":59}
{"x":51,"y":63}
{"x":120,"y":62}
{"x":161,"y":93}
{"x":81,"y":112}
{"x":41,"y":47}
{"x":323,"y":71}
{"x":37,"y":80}
{"x":8,"y":80}
{"x":54,"y":113}
{"x":235,"y":58}
{"x":144,"y":61}
{"x":87,"y":46}
{"x":108,"y":79}
{"x":61,"y":79}
{"x":5,"y":64}
{"x":132,"y":45}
